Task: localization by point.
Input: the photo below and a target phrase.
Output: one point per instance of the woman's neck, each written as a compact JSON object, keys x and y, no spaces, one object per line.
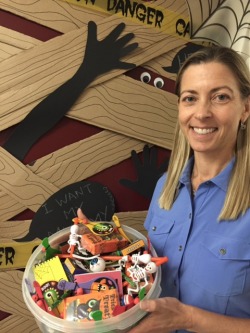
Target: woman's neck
{"x":205,"y":169}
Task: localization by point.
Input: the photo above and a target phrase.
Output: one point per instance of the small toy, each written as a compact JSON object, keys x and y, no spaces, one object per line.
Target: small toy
{"x":103,"y":229}
{"x":47,"y":274}
{"x":138,"y":267}
{"x":50,"y":252}
{"x":70,"y":286}
{"x":139,"y":273}
{"x":102,"y":238}
{"x":97,"y":265}
{"x":119,"y":228}
{"x":74,"y":239}
{"x":98,"y":228}
{"x":99,"y":272}
{"x":39,"y":298}
{"x":70,"y":265}
{"x":95,"y":244}
{"x":158,"y":260}
{"x":136,"y":245}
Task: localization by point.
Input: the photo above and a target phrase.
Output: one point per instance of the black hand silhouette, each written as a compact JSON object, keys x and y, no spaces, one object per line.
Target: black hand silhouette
{"x":103,"y":56}
{"x":100,"y":57}
{"x":148,"y":173}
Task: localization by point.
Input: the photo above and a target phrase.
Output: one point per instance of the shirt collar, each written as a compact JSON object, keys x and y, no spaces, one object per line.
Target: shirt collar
{"x":221,"y":180}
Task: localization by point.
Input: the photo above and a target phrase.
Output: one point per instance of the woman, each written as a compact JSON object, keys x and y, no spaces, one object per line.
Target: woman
{"x":199,"y":216}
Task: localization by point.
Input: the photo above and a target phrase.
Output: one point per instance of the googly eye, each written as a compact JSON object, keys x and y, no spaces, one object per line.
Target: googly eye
{"x":145,"y":77}
{"x":158,"y":82}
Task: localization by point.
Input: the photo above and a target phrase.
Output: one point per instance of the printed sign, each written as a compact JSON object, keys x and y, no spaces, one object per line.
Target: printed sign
{"x":15,"y":255}
{"x":139,"y":12}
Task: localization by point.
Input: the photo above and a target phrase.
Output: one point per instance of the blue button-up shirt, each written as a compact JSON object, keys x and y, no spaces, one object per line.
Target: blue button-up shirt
{"x":209,"y":261}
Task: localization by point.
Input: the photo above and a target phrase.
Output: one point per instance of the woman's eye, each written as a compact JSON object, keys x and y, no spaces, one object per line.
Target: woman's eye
{"x":188,"y":99}
{"x":221,"y":97}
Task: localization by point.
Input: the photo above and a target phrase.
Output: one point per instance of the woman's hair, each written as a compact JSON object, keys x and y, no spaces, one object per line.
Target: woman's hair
{"x":238,"y":195}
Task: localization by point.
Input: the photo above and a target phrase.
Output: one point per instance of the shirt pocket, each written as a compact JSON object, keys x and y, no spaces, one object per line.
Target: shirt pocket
{"x":159,"y":231}
{"x":221,"y":265}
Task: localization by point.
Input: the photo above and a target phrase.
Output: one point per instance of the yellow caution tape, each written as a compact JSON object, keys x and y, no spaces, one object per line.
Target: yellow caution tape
{"x":15,"y":255}
{"x":140,"y":12}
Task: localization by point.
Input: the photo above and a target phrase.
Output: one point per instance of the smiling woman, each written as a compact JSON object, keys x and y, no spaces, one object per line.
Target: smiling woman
{"x":206,"y":284}
{"x":213,"y":90}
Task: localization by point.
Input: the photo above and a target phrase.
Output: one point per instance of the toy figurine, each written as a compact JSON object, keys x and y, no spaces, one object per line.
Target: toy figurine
{"x":139,"y":274}
{"x":74,"y":239}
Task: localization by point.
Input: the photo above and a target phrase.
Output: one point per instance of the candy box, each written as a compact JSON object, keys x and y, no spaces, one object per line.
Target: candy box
{"x":81,"y":308}
{"x":49,"y":323}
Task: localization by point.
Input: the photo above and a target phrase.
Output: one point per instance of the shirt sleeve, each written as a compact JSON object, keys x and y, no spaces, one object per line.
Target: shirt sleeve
{"x":154,"y":201}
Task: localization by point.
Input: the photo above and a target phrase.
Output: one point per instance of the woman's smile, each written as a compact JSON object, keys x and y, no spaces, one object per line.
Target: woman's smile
{"x":203,"y":131}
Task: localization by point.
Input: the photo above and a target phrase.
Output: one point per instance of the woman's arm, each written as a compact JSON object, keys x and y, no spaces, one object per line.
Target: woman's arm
{"x":168,"y":314}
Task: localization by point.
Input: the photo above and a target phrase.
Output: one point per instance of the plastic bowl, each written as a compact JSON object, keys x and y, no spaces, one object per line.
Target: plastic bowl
{"x":118,"y":324}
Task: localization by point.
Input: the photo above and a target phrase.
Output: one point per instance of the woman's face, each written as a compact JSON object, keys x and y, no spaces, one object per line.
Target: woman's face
{"x":211,"y":108}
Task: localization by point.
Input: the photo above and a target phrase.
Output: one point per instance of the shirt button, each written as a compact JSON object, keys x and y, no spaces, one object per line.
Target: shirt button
{"x":180,"y":247}
{"x":154,"y":228}
{"x":223,"y":252}
{"x":190,"y":215}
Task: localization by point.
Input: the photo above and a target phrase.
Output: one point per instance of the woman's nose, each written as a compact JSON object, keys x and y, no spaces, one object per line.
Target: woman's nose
{"x":203,"y":110}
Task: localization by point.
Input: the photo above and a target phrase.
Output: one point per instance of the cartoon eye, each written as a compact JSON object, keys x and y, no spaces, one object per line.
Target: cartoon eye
{"x":158,"y":82}
{"x":92,"y":303}
{"x":145,"y":77}
{"x":104,"y":287}
{"x":49,"y":295}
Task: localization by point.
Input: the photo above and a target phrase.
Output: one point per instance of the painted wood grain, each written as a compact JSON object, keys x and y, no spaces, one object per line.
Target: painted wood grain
{"x":13,"y":229}
{"x":12,"y":43}
{"x":130,"y":107}
{"x":25,"y":324}
{"x":55,"y":14}
{"x":134,"y":220}
{"x":62,"y":16}
{"x":21,"y":184}
{"x":61,"y":168}
{"x":10,"y":289}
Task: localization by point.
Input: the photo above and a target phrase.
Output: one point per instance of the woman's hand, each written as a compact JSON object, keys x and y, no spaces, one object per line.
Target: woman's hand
{"x":165,"y":315}
{"x":168,"y":314}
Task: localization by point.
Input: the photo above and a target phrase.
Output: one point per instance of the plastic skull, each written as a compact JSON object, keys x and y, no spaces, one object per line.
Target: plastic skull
{"x":151,"y":267}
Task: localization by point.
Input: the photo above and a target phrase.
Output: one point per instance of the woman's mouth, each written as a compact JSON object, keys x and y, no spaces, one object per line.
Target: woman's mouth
{"x":203,"y":131}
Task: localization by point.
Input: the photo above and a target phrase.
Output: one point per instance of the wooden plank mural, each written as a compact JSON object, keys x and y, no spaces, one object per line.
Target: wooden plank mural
{"x":115,"y":115}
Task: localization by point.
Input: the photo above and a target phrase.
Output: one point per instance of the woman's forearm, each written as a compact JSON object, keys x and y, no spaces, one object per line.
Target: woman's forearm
{"x":209,"y":322}
{"x":166,"y":315}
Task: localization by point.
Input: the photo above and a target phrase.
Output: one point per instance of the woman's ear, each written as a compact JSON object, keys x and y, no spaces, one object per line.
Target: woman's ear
{"x":246,"y":112}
